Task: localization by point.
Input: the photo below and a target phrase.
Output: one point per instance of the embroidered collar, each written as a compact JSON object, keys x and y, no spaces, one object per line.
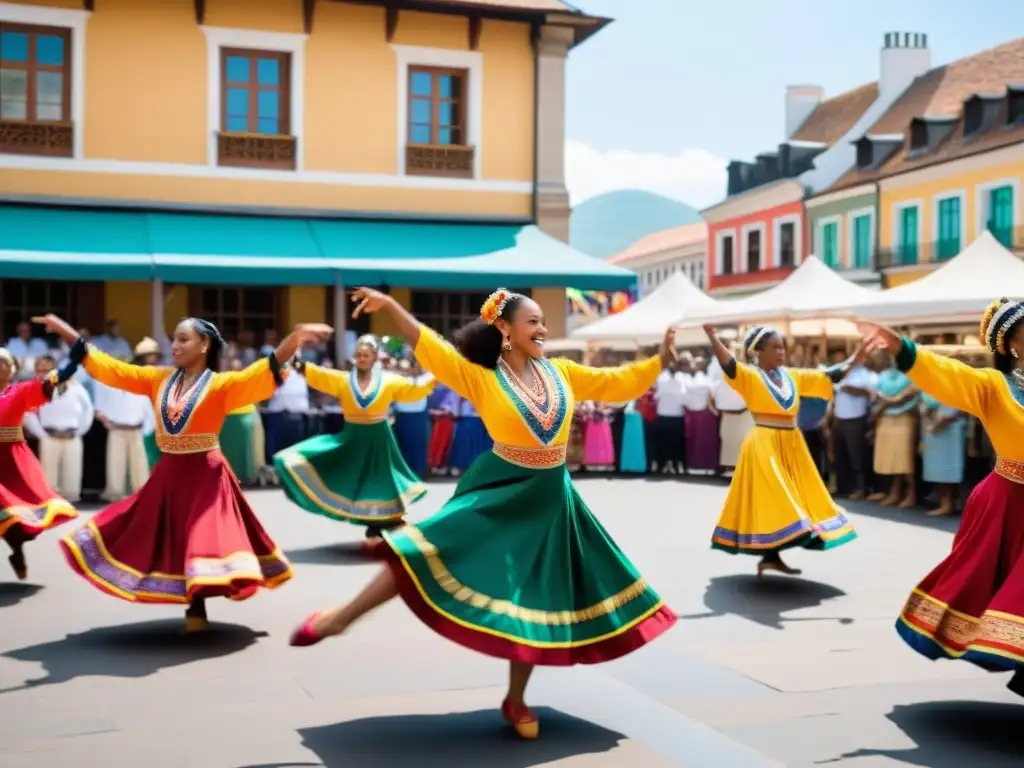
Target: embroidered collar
{"x":174,"y":424}
{"x":364,"y":399}
{"x":783,"y":393}
{"x":543,"y":409}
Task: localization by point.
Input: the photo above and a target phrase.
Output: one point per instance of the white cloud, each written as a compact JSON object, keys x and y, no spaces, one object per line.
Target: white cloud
{"x":695,"y":176}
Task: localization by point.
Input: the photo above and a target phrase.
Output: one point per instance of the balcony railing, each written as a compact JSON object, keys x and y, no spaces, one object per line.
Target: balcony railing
{"x":46,"y":138}
{"x":942,"y":250}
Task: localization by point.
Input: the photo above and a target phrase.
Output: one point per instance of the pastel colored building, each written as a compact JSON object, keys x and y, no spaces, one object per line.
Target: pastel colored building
{"x":941,"y":166}
{"x":759,"y":233}
{"x":248,"y":160}
{"x":659,"y":255}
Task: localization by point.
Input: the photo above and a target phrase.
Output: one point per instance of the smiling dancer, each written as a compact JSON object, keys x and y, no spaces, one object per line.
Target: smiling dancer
{"x":28,"y":505}
{"x":514,"y":565}
{"x":358,"y":475}
{"x":971,"y":606}
{"x":777,"y":499}
{"x":188,"y":533}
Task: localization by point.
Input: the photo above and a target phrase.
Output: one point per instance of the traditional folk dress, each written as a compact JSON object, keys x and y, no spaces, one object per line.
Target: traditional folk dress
{"x":188,"y":532}
{"x":515,"y":565}
{"x":634,"y":451}
{"x":777,"y":499}
{"x":28,"y":505}
{"x":972,"y":605}
{"x":359,"y":474}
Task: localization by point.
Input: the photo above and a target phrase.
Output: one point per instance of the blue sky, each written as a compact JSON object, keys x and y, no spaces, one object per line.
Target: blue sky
{"x":673,"y":89}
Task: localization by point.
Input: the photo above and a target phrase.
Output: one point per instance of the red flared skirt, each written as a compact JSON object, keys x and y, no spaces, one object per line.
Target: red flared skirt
{"x":972,"y":605}
{"x":28,"y":505}
{"x":440,"y":442}
{"x":187,"y":533}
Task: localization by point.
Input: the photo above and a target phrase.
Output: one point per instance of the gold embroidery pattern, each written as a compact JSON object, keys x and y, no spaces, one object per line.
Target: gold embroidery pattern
{"x":774,"y":421}
{"x":11,"y":435}
{"x":357,"y":418}
{"x":200,"y":442}
{"x":1011,"y":470}
{"x":531,"y":458}
{"x":464,"y":594}
{"x":961,"y":633}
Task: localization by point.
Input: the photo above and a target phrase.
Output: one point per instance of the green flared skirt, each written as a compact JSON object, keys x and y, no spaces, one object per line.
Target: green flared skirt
{"x":515,"y":566}
{"x":357,"y":475}
{"x":238,"y":446}
{"x":153,"y":453}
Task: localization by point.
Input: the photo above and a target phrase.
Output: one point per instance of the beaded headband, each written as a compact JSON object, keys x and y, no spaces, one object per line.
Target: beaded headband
{"x":754,"y":336}
{"x":368,"y":340}
{"x":996,"y":323}
{"x":495,"y":305}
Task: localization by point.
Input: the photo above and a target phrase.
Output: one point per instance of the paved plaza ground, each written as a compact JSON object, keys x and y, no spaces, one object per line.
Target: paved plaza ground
{"x":789,"y":671}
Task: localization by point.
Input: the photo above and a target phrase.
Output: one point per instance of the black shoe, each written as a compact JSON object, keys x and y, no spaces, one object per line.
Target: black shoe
{"x":372,"y":532}
{"x":1016,"y":683}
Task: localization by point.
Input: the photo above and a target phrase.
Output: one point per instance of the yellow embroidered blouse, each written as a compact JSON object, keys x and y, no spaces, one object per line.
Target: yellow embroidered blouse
{"x":195,"y":426}
{"x":517,"y":417}
{"x":369,"y":405}
{"x":778,"y":404}
{"x":982,"y":392}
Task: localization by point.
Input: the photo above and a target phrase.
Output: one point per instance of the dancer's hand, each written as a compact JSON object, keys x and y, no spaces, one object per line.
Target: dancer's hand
{"x":368,"y":301}
{"x":668,"y":352}
{"x":54,"y":324}
{"x":879,"y":337}
{"x":310,"y":333}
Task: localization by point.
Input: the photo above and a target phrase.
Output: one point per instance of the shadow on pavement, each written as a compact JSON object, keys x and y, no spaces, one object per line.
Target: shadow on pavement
{"x":130,"y":650}
{"x":765,"y":600}
{"x":340,"y":553}
{"x":916,"y":516}
{"x":457,"y":738}
{"x":13,"y":593}
{"x":954,"y":734}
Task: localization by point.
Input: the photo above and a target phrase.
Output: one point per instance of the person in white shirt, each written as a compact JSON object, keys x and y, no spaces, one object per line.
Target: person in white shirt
{"x":701,"y":423}
{"x":286,"y":415}
{"x":59,"y":426}
{"x":850,"y":411}
{"x":669,"y":425}
{"x":113,"y":343}
{"x":735,"y":420}
{"x":25,"y":349}
{"x":127,"y":417}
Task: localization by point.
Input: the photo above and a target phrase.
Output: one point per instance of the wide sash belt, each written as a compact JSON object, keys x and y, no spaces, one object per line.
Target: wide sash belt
{"x":531,"y":458}
{"x":12,"y":435}
{"x":201,"y":442}
{"x":363,"y":419}
{"x":774,"y":420}
{"x":1011,"y":470}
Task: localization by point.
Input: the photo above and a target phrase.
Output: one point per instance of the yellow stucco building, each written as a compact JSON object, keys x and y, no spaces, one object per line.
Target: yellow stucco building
{"x":247,"y":160}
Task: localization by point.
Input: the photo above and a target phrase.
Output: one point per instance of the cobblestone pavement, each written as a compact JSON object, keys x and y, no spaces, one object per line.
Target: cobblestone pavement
{"x":789,"y":671}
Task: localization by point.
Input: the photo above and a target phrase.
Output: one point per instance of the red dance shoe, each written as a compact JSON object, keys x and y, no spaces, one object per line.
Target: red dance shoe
{"x":305,"y":634}
{"x":521,"y":718}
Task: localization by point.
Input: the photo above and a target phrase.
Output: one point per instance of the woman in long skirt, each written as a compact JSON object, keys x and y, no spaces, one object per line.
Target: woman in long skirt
{"x":634,"y":452}
{"x":598,"y":446}
{"x":357,"y":475}
{"x":188,"y":534}
{"x":971,"y":606}
{"x":943,"y":438}
{"x":28,"y":505}
{"x":441,"y":405}
{"x":777,"y":499}
{"x":514,"y":565}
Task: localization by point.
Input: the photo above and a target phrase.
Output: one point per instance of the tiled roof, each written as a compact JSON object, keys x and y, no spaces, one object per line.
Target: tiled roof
{"x":834,"y":117}
{"x":514,"y":5}
{"x":656,"y":242}
{"x":941,"y":92}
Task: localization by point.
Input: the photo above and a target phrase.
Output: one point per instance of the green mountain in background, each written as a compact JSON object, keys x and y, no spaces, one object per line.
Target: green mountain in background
{"x":604,"y":225}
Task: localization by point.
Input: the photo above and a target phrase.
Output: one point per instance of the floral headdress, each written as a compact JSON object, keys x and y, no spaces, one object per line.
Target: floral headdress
{"x":998,"y":320}
{"x":495,"y":305}
{"x":754,"y":337}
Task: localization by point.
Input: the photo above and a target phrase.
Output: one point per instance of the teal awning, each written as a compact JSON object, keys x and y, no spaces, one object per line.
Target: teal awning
{"x":79,"y":244}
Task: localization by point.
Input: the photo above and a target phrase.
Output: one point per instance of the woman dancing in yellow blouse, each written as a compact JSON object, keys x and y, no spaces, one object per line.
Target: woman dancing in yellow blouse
{"x":359,"y":474}
{"x":514,"y":565}
{"x":776,"y":499}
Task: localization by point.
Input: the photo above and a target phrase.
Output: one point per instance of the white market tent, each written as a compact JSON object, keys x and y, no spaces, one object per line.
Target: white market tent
{"x":814,"y":296}
{"x":959,"y":290}
{"x":645,"y":322}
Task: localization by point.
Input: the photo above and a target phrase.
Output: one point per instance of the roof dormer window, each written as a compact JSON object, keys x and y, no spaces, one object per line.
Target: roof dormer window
{"x":874,"y":151}
{"x":981,"y":112}
{"x":927,"y":133}
{"x":1015,"y":105}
